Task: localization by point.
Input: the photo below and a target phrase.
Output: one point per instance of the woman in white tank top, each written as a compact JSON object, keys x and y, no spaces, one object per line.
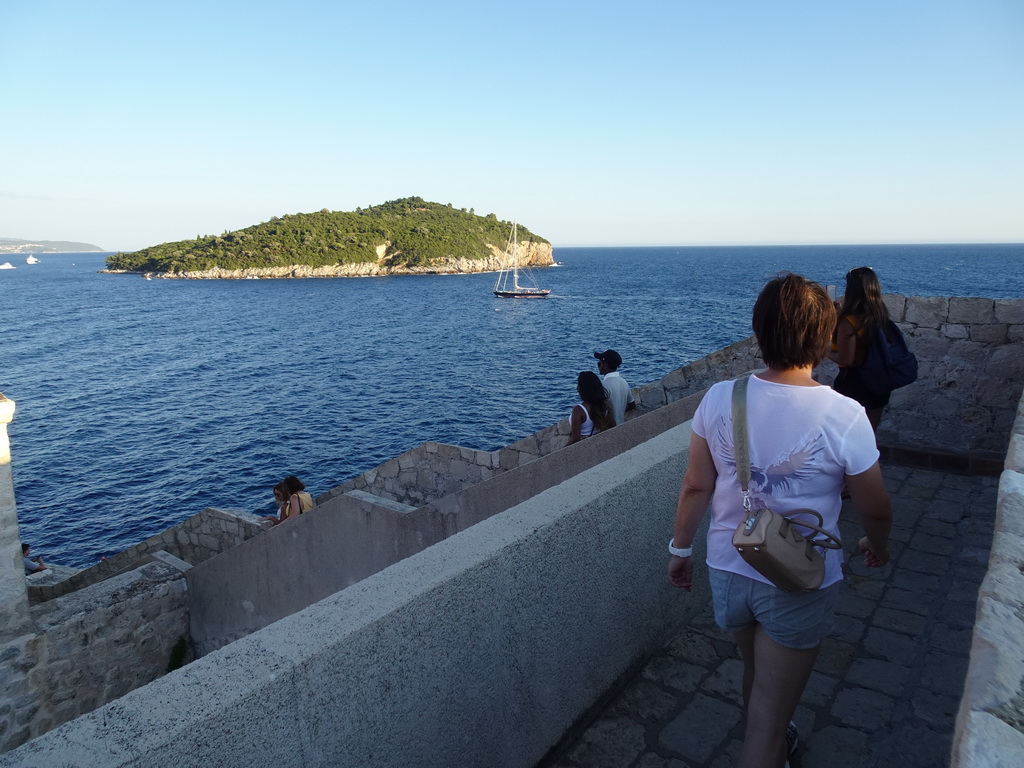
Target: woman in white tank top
{"x":593,"y":414}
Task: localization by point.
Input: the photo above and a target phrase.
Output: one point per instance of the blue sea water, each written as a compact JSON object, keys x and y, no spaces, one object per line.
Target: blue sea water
{"x":140,"y":402}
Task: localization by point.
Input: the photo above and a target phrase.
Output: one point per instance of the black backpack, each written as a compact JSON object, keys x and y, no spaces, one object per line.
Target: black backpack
{"x":889,"y":364}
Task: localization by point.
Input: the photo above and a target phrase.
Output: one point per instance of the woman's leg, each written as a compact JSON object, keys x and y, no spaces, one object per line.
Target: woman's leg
{"x":774,"y":678}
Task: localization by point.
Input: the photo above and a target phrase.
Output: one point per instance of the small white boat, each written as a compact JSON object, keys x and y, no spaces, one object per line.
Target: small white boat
{"x":7,"y":265}
{"x":31,"y":259}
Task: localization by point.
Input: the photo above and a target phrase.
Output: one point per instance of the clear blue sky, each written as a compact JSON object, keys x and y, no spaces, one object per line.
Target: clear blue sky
{"x":128,"y":123}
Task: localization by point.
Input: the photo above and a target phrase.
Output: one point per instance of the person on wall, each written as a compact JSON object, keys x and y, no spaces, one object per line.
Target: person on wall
{"x":32,"y":564}
{"x":805,"y":441}
{"x":593,"y":414}
{"x":619,"y":394}
{"x":860,"y":315}
{"x":292,"y":500}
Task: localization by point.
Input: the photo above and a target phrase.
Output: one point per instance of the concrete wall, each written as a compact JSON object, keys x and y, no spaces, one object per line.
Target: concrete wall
{"x":479,"y":651}
{"x":194,"y":540}
{"x":348,"y":537}
{"x":88,"y":648}
{"x":990,"y":722}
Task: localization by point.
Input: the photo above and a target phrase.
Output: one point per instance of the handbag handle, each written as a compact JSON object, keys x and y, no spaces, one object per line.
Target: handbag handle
{"x":741,"y":449}
{"x":831,"y":541}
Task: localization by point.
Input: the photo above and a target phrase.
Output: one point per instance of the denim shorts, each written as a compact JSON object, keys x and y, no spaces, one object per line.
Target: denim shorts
{"x":791,"y":619}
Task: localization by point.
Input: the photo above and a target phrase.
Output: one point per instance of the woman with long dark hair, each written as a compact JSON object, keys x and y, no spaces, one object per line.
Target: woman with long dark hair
{"x":594,"y":413}
{"x":292,"y":499}
{"x":861,"y":314}
{"x":804,"y":442}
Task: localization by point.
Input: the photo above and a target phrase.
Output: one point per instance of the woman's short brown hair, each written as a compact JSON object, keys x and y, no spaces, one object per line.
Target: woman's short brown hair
{"x":793,"y":321}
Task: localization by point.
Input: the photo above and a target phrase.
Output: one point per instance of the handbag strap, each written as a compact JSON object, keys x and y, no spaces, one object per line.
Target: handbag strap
{"x":741,"y":448}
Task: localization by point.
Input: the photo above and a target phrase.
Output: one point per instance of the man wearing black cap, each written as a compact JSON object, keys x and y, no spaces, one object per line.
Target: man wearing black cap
{"x":619,"y":394}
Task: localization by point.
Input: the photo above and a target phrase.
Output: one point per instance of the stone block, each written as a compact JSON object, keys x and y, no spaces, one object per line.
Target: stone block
{"x":1015,"y":334}
{"x":389,"y":469}
{"x":700,"y":728}
{"x":996,"y":669}
{"x":1004,"y":583}
{"x":610,"y":741}
{"x":926,"y":312}
{"x":955,"y":331}
{"x":985,"y":741}
{"x":1010,"y":311}
{"x":962,"y":310}
{"x":989,"y":333}
{"x":1007,"y":362}
{"x":653,"y":395}
{"x":861,"y":708}
{"x":896,"y":304}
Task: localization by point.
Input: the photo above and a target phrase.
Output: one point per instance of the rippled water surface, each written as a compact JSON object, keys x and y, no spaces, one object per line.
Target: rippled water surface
{"x":139,"y":402}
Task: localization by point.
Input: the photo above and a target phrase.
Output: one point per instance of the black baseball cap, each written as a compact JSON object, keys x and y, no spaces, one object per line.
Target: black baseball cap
{"x":610,"y":356}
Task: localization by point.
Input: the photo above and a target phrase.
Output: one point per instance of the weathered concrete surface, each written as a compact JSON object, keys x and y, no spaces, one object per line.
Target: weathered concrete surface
{"x":479,"y":651}
{"x":990,"y":725}
{"x":886,"y":686}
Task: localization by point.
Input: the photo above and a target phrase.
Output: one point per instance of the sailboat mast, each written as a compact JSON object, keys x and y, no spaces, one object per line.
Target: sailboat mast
{"x":515,"y":256}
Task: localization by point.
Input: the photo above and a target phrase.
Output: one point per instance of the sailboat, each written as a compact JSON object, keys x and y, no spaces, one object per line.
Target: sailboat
{"x":31,"y":259}
{"x":507,"y":285}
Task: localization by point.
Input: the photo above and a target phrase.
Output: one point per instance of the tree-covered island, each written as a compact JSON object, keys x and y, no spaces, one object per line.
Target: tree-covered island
{"x":407,"y":236}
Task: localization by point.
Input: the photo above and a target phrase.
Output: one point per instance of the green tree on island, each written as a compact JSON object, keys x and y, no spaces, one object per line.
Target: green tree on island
{"x":416,"y":233}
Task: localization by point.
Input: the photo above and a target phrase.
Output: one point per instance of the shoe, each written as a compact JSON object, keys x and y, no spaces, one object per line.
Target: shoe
{"x":792,"y":739}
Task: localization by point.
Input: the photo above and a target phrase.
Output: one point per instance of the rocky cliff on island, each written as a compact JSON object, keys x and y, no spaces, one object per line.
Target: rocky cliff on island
{"x":406,"y":236}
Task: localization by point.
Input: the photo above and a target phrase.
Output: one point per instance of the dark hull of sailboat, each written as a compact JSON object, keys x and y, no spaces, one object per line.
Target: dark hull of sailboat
{"x":522,"y":294}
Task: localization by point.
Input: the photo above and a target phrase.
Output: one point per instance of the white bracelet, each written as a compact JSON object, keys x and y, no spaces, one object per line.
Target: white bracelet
{"x":684,"y":552}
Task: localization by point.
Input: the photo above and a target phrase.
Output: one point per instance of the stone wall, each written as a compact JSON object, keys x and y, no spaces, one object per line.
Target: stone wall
{"x":91,"y":647}
{"x":350,"y":536}
{"x":199,"y":538}
{"x":971,"y":373}
{"x":403,"y":667}
{"x":432,"y":471}
{"x":990,"y":722}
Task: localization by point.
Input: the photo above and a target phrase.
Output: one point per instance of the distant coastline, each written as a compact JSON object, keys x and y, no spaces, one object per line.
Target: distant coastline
{"x":14,"y":245}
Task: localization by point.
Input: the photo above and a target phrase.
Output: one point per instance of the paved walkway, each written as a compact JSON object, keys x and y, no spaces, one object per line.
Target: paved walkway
{"x":887,"y":683}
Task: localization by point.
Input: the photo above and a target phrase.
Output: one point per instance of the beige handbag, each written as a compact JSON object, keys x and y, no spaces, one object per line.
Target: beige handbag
{"x":769,"y":541}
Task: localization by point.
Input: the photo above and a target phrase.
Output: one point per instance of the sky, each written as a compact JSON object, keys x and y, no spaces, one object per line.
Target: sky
{"x":686,"y":122}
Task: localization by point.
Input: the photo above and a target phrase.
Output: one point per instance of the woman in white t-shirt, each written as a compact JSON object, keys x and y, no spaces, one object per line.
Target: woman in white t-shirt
{"x":805,"y":441}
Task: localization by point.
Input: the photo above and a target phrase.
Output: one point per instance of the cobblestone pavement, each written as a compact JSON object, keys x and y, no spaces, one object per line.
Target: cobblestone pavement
{"x":887,"y":683}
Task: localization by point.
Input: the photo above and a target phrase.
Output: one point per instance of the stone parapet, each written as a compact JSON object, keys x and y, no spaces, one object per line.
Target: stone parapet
{"x":89,"y":648}
{"x":194,"y":540}
{"x":990,"y":722}
{"x":970,"y":375}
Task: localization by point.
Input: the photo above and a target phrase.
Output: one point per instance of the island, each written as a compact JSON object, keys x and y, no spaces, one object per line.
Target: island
{"x":14,"y":245}
{"x":404,"y":236}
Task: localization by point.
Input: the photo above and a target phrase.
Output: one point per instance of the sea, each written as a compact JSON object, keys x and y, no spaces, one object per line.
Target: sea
{"x":141,"y":402}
